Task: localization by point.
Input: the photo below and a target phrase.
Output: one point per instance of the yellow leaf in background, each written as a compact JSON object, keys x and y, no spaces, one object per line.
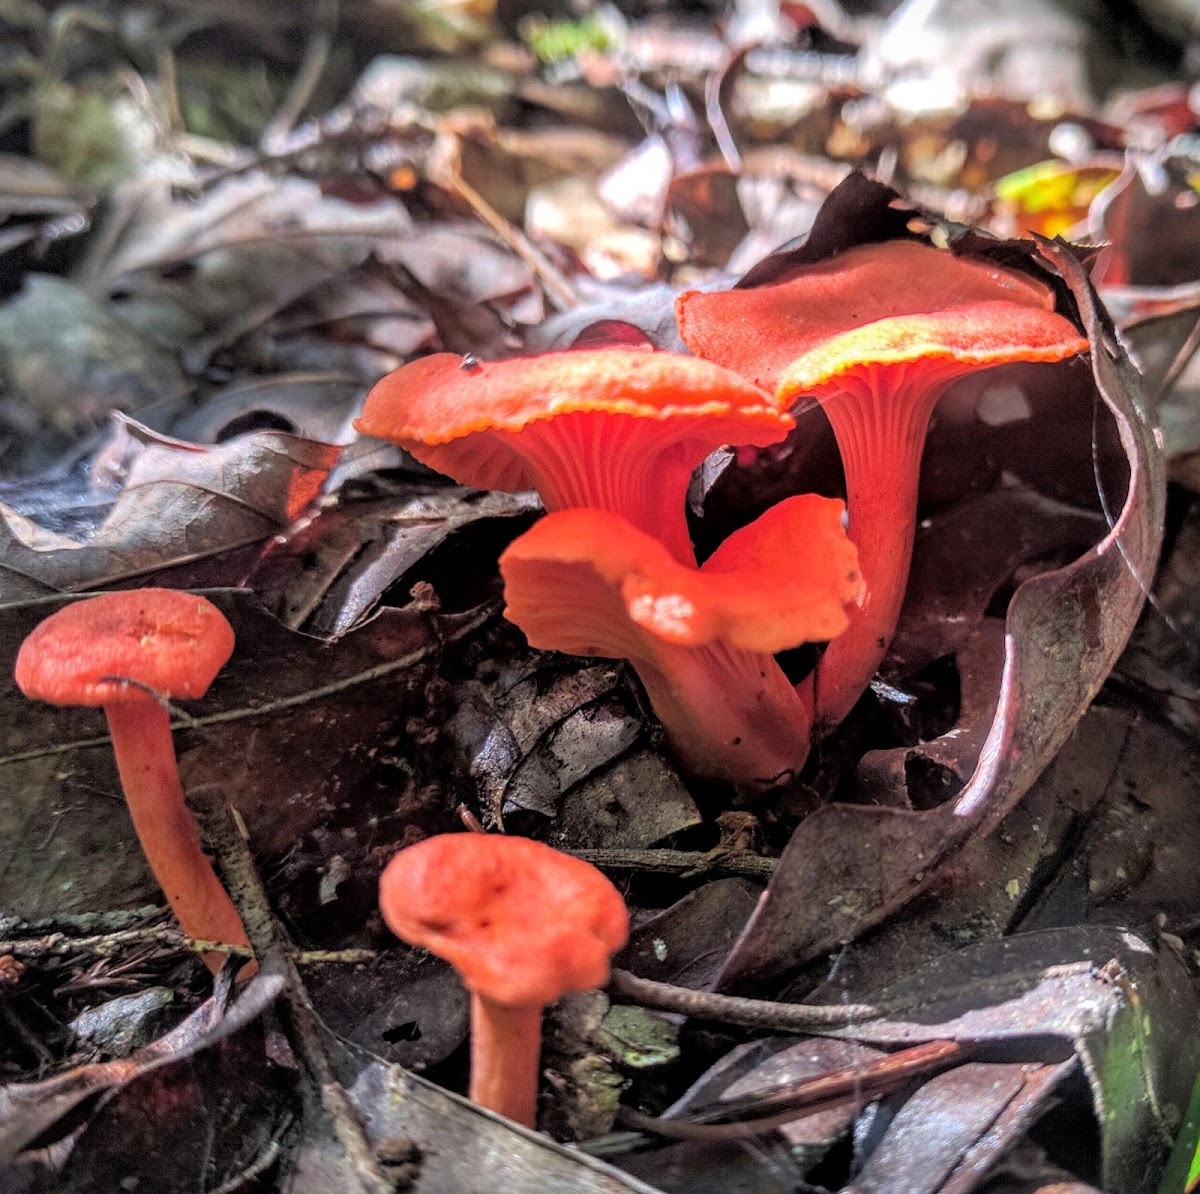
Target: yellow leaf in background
{"x":1051,"y":197}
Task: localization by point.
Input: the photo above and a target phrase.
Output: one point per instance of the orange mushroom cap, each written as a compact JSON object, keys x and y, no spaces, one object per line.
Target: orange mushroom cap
{"x":944,"y":344}
{"x":783,"y":580}
{"x":171,"y":642}
{"x":614,"y":428}
{"x":760,"y":330}
{"x":587,"y":582}
{"x":522,"y":923}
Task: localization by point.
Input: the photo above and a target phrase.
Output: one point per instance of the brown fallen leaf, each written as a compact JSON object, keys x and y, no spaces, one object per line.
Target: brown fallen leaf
{"x":156,"y":503}
{"x":29,"y":1111}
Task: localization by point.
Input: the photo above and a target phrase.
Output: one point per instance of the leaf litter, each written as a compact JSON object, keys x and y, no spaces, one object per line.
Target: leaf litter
{"x":227,"y":226}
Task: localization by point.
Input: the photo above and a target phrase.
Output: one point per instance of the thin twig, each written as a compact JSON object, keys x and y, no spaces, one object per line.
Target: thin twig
{"x":59,"y":945}
{"x":316,"y":57}
{"x":559,"y":290}
{"x":854,"y":1086}
{"x":88,"y":924}
{"x":733,"y":1009}
{"x":714,"y":112}
{"x":227,"y":833}
{"x":1182,"y":359}
{"x":685,"y":863}
{"x":168,"y":86}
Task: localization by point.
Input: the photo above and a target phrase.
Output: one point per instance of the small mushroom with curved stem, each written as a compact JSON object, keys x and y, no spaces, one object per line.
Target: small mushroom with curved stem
{"x":128,"y":652}
{"x":523,"y":924}
{"x":700,"y":639}
{"x":612,"y":428}
{"x":877,"y":334}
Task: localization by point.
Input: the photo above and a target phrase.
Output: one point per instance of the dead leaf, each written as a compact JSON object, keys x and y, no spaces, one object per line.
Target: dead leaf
{"x":313,"y":406}
{"x":458,"y":1141}
{"x":252,"y":246}
{"x":29,"y":1111}
{"x":155,"y":503}
{"x":686,"y":942}
{"x":332,"y":571}
{"x":957,"y":1125}
{"x":1105,"y":991}
{"x":759,"y":1069}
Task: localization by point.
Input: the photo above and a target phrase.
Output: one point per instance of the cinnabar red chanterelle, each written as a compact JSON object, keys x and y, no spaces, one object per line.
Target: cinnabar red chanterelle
{"x":702,"y":640}
{"x":128,"y":652}
{"x":523,"y":924}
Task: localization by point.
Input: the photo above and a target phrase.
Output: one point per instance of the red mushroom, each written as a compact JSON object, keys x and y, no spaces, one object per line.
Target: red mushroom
{"x":613,"y":428}
{"x":701,"y":640}
{"x":126,"y":652}
{"x":523,"y":925}
{"x":877,"y":334}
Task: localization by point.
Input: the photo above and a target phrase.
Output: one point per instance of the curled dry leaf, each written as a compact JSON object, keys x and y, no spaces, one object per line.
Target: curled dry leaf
{"x":848,"y":867}
{"x":317,"y":406}
{"x":332,"y":570}
{"x":152,"y":503}
{"x":29,"y":1111}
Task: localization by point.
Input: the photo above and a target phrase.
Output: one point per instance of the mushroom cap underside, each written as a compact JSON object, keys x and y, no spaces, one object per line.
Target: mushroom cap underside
{"x":758,"y":331}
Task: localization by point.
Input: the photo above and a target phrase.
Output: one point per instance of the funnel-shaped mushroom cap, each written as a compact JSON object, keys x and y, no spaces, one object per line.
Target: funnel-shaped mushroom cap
{"x":940,"y":345}
{"x":522,"y":923}
{"x":617,"y":429}
{"x":587,"y":582}
{"x":783,"y":580}
{"x":171,"y":642}
{"x":759,"y":331}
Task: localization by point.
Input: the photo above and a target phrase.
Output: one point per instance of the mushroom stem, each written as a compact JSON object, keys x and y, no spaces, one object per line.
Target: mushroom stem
{"x":729,"y":713}
{"x":880,"y":430}
{"x":141,"y":734}
{"x":506,"y":1045}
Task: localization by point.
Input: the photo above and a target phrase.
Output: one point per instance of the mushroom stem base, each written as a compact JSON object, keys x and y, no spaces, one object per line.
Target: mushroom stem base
{"x":506,"y":1045}
{"x":141,"y":734}
{"x":729,"y":714}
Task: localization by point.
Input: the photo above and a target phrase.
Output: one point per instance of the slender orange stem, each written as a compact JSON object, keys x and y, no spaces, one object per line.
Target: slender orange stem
{"x":880,"y":419}
{"x":141,"y":734}
{"x":883,"y":520}
{"x":506,"y":1046}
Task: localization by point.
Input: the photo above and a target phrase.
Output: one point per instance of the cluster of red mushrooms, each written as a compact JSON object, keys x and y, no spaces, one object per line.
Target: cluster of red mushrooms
{"x":609,"y":437}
